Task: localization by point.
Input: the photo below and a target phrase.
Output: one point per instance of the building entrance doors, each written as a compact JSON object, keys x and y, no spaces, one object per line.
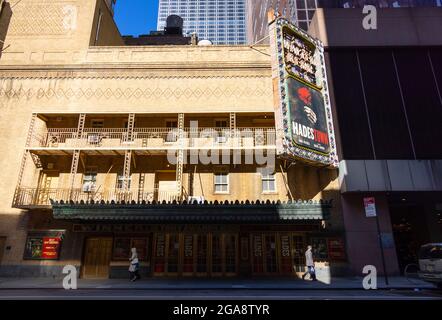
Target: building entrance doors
{"x":410,"y":232}
{"x":277,"y":253}
{"x":2,"y":248}
{"x":97,"y":258}
{"x":195,"y":254}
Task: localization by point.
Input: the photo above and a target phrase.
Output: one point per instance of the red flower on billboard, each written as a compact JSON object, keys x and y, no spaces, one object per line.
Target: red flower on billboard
{"x":305,"y":95}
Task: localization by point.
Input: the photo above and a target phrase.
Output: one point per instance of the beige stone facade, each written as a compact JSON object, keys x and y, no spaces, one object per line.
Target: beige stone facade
{"x":71,"y":93}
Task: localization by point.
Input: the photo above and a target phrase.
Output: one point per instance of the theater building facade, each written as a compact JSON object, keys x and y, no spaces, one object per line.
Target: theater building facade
{"x":99,"y":142}
{"x":178,"y":150}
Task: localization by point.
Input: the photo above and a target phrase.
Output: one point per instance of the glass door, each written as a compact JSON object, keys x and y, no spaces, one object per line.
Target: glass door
{"x":264,"y":254}
{"x":257,"y":254}
{"x":188,"y":255}
{"x":298,"y":253}
{"x":201,"y":254}
{"x":230,"y":250}
{"x":271,"y":265}
{"x":173,"y":253}
{"x":285,"y":265}
{"x":159,"y":254}
{"x":217,"y":255}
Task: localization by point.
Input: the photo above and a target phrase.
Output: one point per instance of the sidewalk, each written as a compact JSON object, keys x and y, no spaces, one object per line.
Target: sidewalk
{"x":257,"y":283}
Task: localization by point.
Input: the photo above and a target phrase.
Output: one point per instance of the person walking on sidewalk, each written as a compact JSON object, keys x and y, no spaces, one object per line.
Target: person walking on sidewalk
{"x":134,"y":265}
{"x":310,"y":264}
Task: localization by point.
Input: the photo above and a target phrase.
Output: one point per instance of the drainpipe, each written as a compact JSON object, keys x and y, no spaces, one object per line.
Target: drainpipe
{"x":100,"y":16}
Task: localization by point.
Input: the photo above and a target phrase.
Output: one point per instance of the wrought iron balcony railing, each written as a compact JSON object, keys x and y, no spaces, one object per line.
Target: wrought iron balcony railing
{"x":30,"y":197}
{"x":156,"y":138}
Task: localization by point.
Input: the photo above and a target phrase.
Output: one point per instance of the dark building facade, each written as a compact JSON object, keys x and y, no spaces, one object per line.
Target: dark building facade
{"x":387,"y":97}
{"x":301,"y":11}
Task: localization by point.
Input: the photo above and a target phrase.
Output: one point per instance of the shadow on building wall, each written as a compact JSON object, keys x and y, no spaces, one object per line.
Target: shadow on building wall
{"x":5,"y":19}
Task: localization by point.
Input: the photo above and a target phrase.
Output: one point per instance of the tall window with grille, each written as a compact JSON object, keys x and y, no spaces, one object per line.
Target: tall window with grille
{"x":268,"y":183}
{"x":221,"y":182}
{"x":89,"y":180}
{"x":120,"y":181}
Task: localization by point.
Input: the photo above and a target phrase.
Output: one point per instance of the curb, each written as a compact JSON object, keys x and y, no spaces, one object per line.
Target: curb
{"x":224,"y":288}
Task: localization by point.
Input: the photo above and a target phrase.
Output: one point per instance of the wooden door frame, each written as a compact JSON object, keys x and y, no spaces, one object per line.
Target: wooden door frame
{"x":211,"y":273}
{"x":225,"y":273}
{"x":2,"y":247}
{"x":172,"y":274}
{"x":182,"y":254}
{"x":303,"y":235}
{"x":202,"y":274}
{"x":264,"y":251}
{"x":82,"y":275}
{"x":209,"y":255}
{"x":279,"y":252}
{"x":154,"y":253}
{"x":277,"y":234}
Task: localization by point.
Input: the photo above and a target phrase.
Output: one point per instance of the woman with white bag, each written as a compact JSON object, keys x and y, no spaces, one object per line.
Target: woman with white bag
{"x":134,"y":265}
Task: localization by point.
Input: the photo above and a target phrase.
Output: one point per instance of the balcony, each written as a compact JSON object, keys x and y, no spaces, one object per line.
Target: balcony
{"x":41,"y":198}
{"x":154,"y":139}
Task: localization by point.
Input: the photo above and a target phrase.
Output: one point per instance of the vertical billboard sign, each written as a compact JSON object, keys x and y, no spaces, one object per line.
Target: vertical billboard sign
{"x":303,"y":116}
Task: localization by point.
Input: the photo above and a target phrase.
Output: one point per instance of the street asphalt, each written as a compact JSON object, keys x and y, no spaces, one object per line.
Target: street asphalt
{"x":398,"y":288}
{"x":219,"y":294}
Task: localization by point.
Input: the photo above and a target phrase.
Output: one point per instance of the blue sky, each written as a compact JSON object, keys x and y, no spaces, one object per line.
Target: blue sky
{"x":135,"y":17}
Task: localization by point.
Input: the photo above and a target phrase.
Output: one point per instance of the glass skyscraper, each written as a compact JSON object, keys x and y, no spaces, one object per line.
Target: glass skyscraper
{"x":221,"y":21}
{"x":304,"y":9}
{"x":301,"y":12}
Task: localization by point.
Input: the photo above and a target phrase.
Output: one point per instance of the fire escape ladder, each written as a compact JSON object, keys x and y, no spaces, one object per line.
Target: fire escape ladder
{"x":180,"y":157}
{"x":74,"y":168}
{"x":31,"y":130}
{"x":81,"y":122}
{"x":232,"y":123}
{"x":25,"y":157}
{"x":76,"y":155}
{"x":130,"y":127}
{"x":232,"y":132}
{"x":126,"y":170}
{"x":141,"y":186}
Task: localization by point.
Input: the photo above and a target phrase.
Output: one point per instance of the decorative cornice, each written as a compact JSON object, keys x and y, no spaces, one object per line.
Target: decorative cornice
{"x":119,"y":71}
{"x":42,"y":75}
{"x":188,"y":92}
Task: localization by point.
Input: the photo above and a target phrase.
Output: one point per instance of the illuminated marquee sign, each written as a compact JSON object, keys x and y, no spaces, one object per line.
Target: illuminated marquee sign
{"x":303,"y":114}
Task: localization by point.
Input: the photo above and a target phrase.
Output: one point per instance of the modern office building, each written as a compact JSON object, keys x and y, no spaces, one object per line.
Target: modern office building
{"x":256,"y":17}
{"x":301,"y":11}
{"x":220,"y":21}
{"x":386,"y":89}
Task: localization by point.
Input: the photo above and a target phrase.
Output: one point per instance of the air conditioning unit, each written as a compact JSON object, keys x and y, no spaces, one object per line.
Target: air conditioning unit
{"x":199,"y":199}
{"x":89,"y":187}
{"x":94,"y":139}
{"x":221,"y":139}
